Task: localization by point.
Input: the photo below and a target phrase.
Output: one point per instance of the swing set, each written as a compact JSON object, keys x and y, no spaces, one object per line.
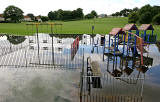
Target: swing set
{"x":40,"y":26}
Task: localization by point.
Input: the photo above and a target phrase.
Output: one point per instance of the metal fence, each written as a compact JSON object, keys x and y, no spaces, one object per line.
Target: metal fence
{"x":111,"y":89}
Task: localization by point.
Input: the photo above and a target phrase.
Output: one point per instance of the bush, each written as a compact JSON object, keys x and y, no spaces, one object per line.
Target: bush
{"x":145,"y":18}
{"x":44,"y":18}
{"x":133,"y":17}
{"x":156,"y":19}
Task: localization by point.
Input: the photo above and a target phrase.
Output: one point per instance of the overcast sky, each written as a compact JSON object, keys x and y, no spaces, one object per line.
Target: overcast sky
{"x":42,"y":7}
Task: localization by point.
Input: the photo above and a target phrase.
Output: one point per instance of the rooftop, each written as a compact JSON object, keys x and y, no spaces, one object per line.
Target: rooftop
{"x":116,"y":31}
{"x":1,"y":15}
{"x":129,"y":27}
{"x":146,"y":27}
{"x":27,"y":17}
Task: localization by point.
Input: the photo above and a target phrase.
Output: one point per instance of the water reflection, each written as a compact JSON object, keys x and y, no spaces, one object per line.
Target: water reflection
{"x":122,"y":78}
{"x":158,"y":45}
{"x":16,"y":39}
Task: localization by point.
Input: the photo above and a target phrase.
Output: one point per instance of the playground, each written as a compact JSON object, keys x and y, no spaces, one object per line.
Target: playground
{"x":122,"y":66}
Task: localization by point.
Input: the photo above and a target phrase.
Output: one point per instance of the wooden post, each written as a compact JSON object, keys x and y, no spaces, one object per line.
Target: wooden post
{"x":141,"y":45}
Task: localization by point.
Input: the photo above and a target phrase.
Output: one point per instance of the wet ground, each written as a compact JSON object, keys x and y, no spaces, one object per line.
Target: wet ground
{"x":45,"y":68}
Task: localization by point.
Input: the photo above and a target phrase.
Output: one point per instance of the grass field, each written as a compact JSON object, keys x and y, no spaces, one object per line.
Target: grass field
{"x":102,"y":26}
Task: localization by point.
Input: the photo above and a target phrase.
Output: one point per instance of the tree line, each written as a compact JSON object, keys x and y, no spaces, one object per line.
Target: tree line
{"x":71,"y":15}
{"x":145,"y":15}
{"x":15,"y":14}
{"x":125,"y":12}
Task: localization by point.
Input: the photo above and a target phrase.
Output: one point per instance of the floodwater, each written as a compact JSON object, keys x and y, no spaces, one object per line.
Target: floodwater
{"x":45,"y":68}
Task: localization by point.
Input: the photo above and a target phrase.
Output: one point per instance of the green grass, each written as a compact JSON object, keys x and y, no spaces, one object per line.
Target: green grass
{"x":102,"y":26}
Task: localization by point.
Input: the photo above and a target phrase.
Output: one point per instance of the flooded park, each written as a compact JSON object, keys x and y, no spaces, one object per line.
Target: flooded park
{"x":74,"y":68}
{"x":80,"y":51}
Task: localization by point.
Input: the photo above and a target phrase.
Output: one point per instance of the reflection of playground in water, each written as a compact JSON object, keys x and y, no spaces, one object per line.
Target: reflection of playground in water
{"x":123,"y":80}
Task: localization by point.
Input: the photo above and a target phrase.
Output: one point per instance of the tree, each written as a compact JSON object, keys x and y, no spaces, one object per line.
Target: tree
{"x":117,"y":14}
{"x":145,"y":18}
{"x":59,"y":14}
{"x":66,"y":15}
{"x":155,"y":10}
{"x":135,"y":9}
{"x":44,"y":18}
{"x":94,"y":13}
{"x":89,"y":16}
{"x":31,"y":16}
{"x":52,"y":16}
{"x":80,"y":14}
{"x":156,"y":19}
{"x":133,"y":17}
{"x":13,"y":13}
{"x":144,"y":9}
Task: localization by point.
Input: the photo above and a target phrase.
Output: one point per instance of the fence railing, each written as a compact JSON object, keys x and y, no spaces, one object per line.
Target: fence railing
{"x":111,"y":89}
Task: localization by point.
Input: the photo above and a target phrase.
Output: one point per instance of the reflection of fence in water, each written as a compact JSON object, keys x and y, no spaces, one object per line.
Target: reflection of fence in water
{"x":113,"y":89}
{"x":9,"y":46}
{"x":28,"y":54}
{"x":45,"y":59}
{"x":56,"y":60}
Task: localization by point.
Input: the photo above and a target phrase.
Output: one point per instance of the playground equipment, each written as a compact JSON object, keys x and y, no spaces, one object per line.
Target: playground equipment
{"x":129,"y":41}
{"x":148,"y":38}
{"x":40,"y":26}
{"x":74,"y":47}
{"x":132,"y":39}
{"x":113,"y":46}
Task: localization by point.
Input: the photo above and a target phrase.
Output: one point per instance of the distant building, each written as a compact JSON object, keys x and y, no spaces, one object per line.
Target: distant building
{"x":38,"y":19}
{"x":27,"y":18}
{"x":1,"y":17}
{"x":102,"y":15}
